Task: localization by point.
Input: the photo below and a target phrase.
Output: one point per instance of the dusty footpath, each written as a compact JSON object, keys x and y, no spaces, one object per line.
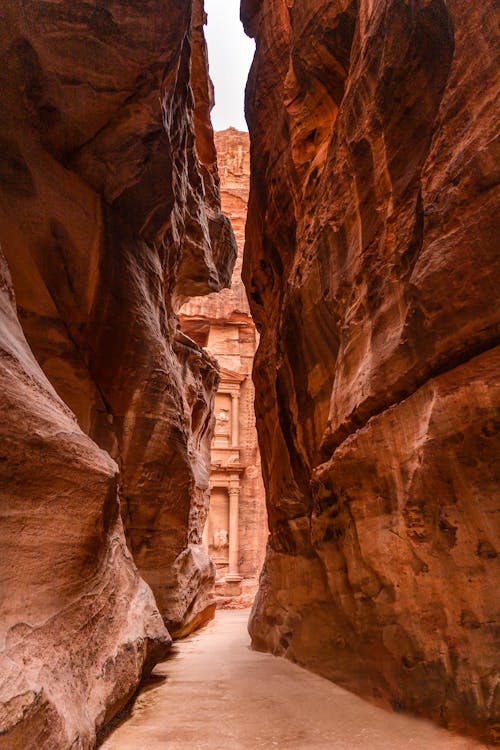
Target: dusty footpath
{"x":215,"y":693}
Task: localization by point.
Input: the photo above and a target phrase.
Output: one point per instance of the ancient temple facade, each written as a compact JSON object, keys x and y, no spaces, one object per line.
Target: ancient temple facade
{"x":236,"y":530}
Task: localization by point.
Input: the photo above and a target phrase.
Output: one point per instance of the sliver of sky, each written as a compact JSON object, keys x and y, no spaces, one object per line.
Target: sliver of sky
{"x":230,"y":54}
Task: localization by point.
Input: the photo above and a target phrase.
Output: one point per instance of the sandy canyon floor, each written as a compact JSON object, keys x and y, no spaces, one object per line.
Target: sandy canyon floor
{"x":215,"y":693}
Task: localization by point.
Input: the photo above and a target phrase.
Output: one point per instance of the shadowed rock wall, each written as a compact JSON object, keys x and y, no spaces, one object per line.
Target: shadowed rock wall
{"x":371,"y":265}
{"x":109,"y":219}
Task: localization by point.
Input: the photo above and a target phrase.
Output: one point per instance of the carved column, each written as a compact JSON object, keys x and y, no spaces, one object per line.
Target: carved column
{"x":235,"y":415}
{"x":234,"y":545}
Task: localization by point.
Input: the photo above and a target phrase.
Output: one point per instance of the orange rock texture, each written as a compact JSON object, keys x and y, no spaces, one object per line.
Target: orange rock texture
{"x":109,"y":219}
{"x":371,"y":264}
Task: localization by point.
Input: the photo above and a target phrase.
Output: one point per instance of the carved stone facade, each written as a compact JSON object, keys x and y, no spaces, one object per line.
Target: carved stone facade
{"x":236,"y":530}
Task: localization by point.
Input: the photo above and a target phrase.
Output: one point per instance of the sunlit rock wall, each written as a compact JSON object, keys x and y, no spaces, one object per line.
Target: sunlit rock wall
{"x":109,"y":218}
{"x":371,"y":265}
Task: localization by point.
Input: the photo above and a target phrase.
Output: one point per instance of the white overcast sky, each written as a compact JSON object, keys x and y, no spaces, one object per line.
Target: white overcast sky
{"x":230,"y":54}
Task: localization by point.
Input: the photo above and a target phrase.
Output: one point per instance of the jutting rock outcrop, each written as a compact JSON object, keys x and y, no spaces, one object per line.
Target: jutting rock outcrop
{"x":109,"y":219}
{"x":371,"y":264}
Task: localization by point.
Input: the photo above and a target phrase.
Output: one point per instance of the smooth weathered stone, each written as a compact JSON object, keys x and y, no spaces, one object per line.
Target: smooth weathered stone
{"x":372,"y":269}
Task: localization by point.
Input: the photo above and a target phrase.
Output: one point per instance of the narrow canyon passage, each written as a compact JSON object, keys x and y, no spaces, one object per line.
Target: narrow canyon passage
{"x":249,"y":364}
{"x":215,"y":693}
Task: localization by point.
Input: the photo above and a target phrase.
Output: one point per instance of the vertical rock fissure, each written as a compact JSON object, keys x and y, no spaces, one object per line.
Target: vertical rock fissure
{"x":235,"y":530}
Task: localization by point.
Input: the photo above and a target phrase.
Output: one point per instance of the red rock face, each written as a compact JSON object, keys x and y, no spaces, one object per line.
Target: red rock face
{"x":372,"y":269}
{"x":77,"y":619}
{"x":109,"y":218}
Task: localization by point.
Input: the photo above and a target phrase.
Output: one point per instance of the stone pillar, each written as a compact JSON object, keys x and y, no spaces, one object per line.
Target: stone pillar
{"x":234,"y":545}
{"x":235,"y":416}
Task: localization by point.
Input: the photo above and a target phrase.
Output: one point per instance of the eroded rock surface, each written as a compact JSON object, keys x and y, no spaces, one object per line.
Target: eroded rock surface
{"x":109,"y":218}
{"x":372,"y":269}
{"x":76,"y":615}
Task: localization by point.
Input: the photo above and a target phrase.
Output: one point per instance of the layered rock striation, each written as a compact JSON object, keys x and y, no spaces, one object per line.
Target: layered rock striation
{"x":371,"y":264}
{"x":109,"y":219}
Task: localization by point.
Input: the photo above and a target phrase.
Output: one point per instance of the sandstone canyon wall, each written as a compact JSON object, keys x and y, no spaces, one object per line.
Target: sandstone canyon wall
{"x":371,"y":265}
{"x":222,"y":323}
{"x":109,"y":219}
